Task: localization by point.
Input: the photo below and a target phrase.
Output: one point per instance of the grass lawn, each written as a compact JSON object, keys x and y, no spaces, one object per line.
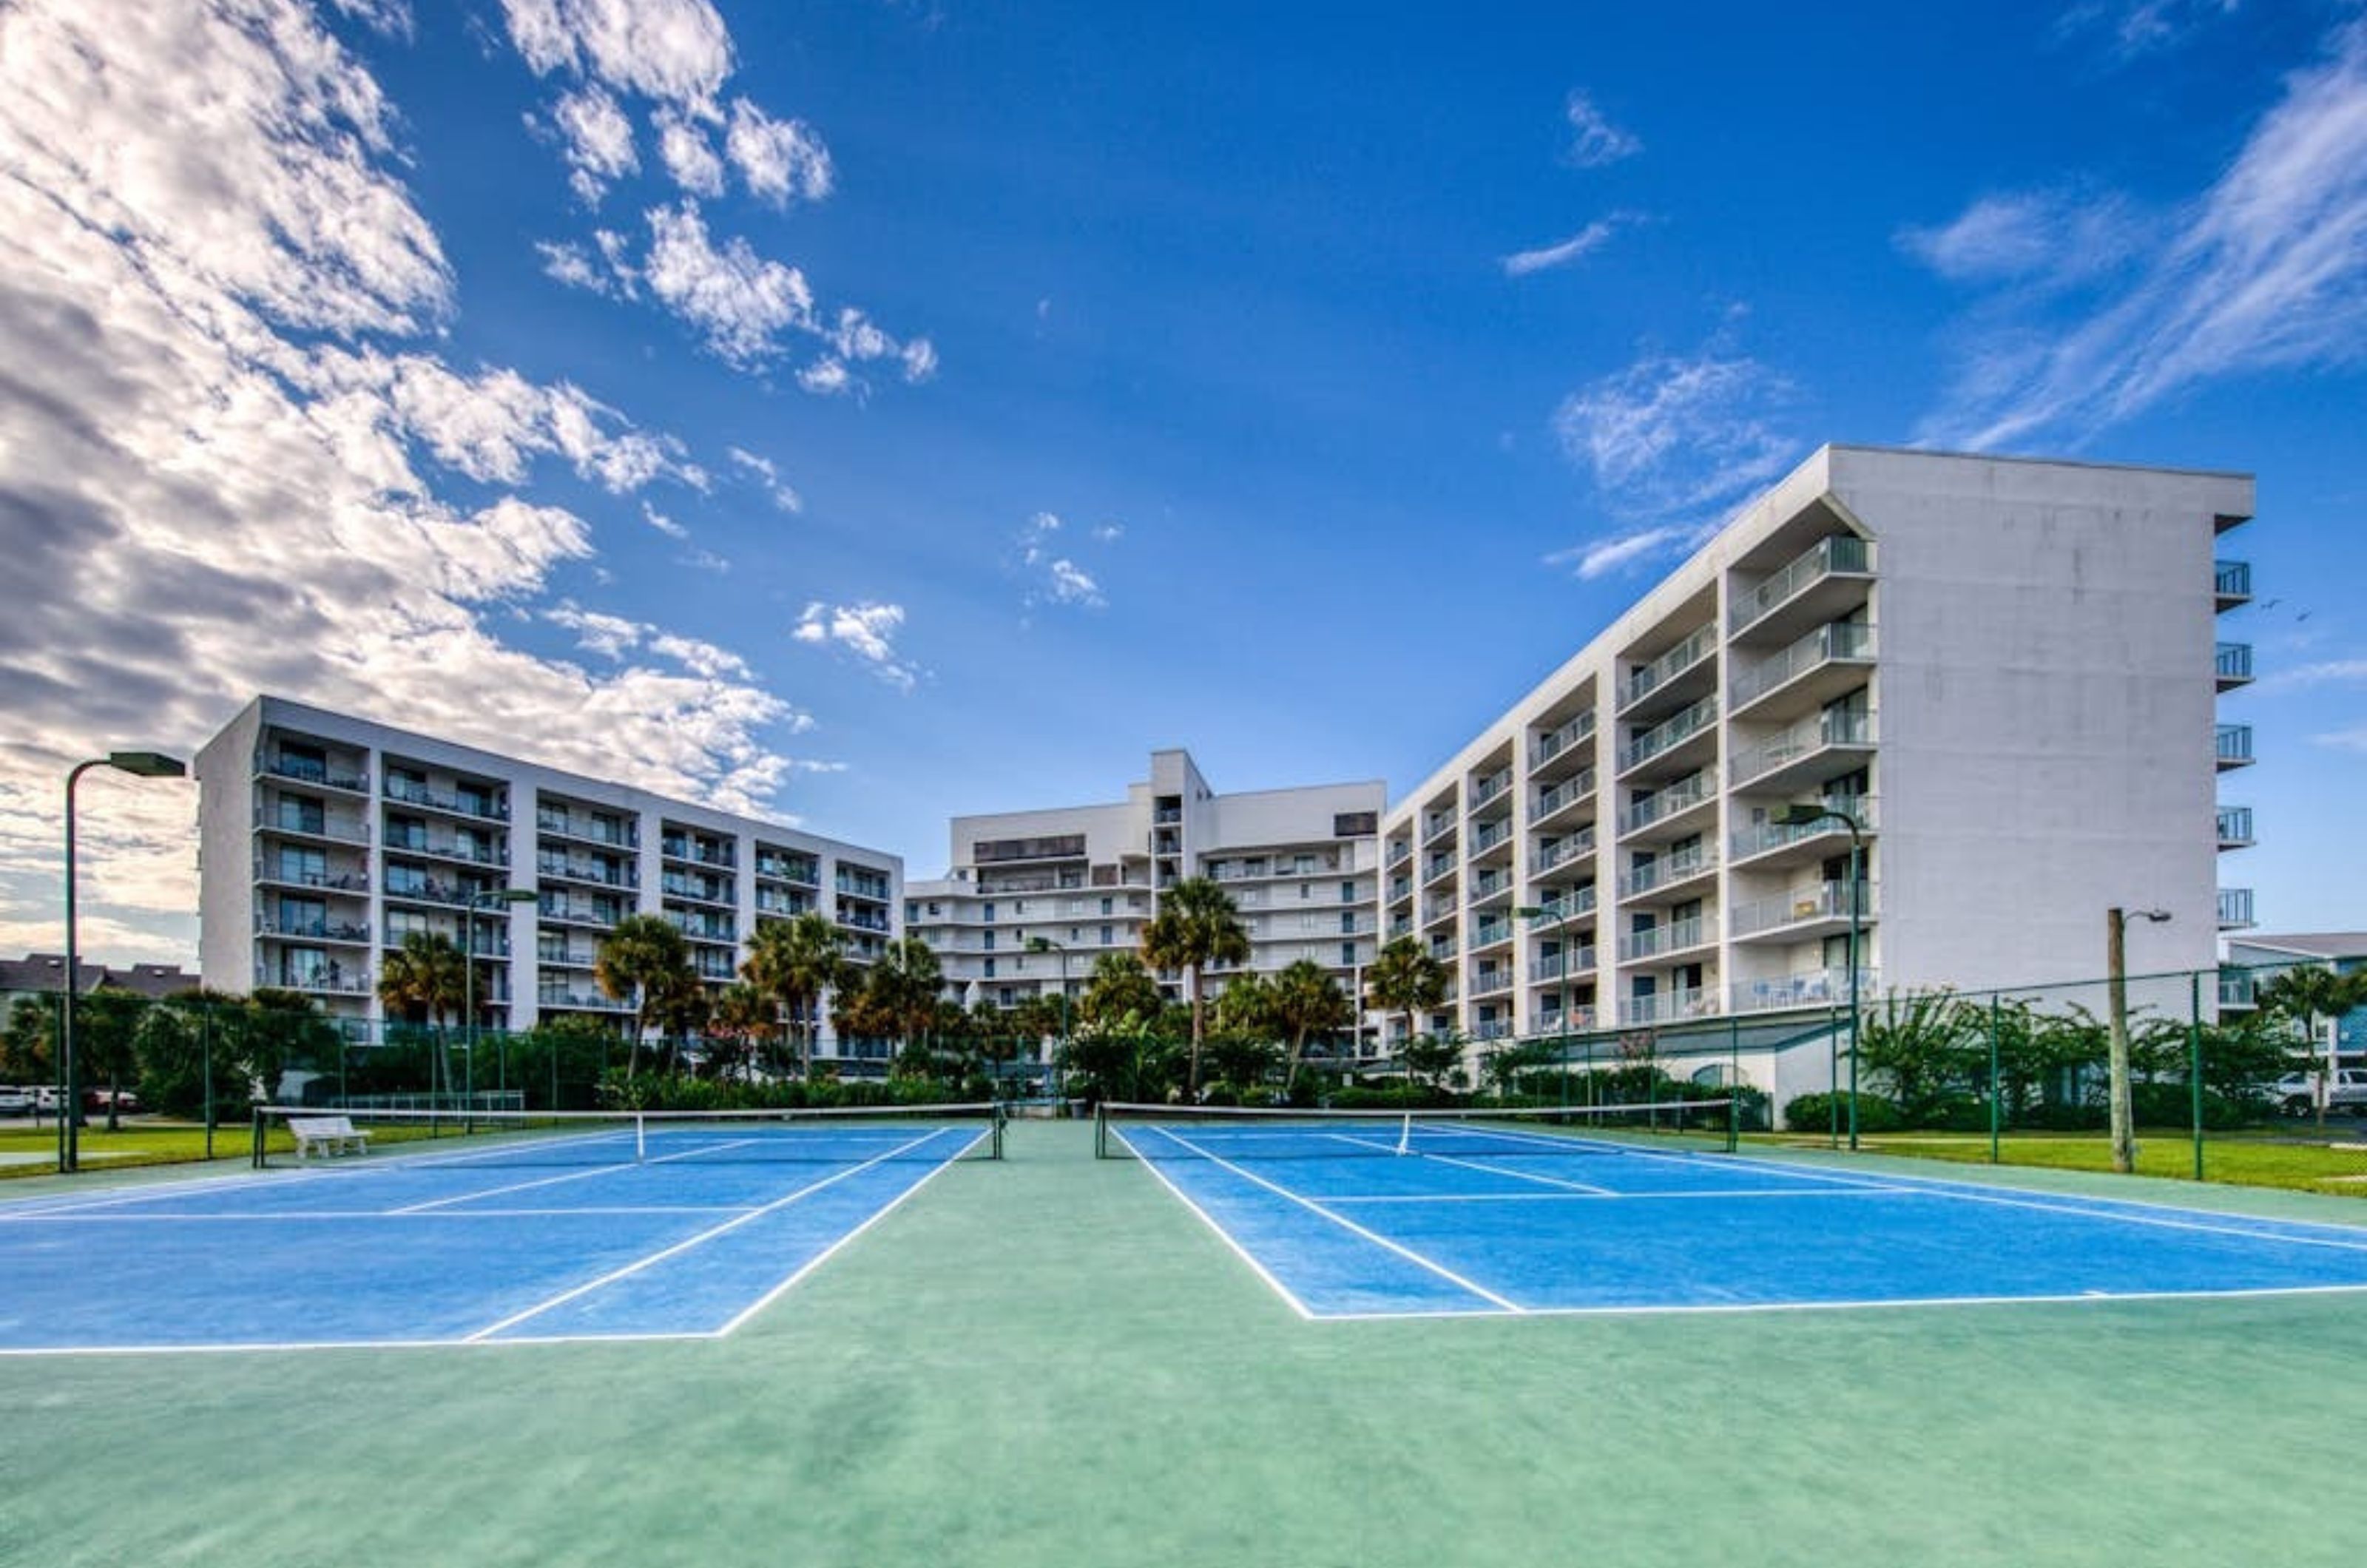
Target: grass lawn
{"x":2294,"y":1155}
{"x":140,"y":1142}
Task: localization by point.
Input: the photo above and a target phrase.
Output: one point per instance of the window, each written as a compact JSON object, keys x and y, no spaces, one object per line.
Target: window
{"x":300,"y":815}
{"x":1107,"y":906}
{"x":1306,"y":891}
{"x":988,"y":939}
{"x":1306,"y":865}
{"x":1107,"y":936}
{"x":1348,"y":954}
{"x":990,"y":969}
{"x":1019,"y":906}
{"x":1347,"y":893}
{"x":986,"y":912}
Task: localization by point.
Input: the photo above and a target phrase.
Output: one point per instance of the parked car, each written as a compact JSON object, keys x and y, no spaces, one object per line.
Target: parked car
{"x":2295,"y":1094}
{"x":95,"y":1100}
{"x":16,"y":1101}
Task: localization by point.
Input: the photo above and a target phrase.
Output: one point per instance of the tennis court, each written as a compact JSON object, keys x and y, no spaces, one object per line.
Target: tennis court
{"x":478,"y":1232}
{"x":1349,"y":1215}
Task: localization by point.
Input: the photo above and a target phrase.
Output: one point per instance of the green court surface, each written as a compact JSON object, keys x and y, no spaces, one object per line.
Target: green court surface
{"x":1052,"y":1361}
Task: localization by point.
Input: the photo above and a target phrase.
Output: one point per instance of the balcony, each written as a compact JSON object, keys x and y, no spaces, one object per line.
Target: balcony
{"x":583,"y":912}
{"x":698,"y":852}
{"x":453,"y":803}
{"x":569,"y":997}
{"x":332,"y":881}
{"x":414,"y":841}
{"x":1800,"y":753}
{"x":278,"y":819}
{"x":1400,"y":851}
{"x":351,"y":931}
{"x":1813,"y":988}
{"x":2231,"y":583}
{"x":2238,"y":989}
{"x":333,"y":978}
{"x":2234,"y":826}
{"x":1490,"y":933}
{"x":1436,"y":825}
{"x":1489,"y":836}
{"x":2235,"y":909}
{"x":1668,"y":873}
{"x":1442,"y":948}
{"x":1842,"y":561}
{"x":1549,"y":1016}
{"x":862,"y":885}
{"x":431,"y":890}
{"x":2235,"y":745}
{"x":1661,"y":804}
{"x":2232,"y":665}
{"x":1827,"y":663}
{"x":1490,"y":788}
{"x":1664,"y":675}
{"x":1558,"y":797}
{"x":1492,"y":1028}
{"x":1562,"y":738}
{"x":1665,"y":738}
{"x":1491,"y":982}
{"x":1658,"y":942}
{"x":305,"y":771}
{"x":1436,"y":867}
{"x":1560,"y":852}
{"x":701,"y":928}
{"x":1667,"y":1007}
{"x":1766,"y":838}
{"x":1559,"y":967}
{"x":1820,"y":909}
{"x":1489,"y":885}
{"x":614,"y":833}
{"x":1554,"y":912}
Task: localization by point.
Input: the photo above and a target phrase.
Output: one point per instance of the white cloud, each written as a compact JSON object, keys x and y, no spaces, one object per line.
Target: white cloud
{"x":1594,"y":141}
{"x":676,"y":51}
{"x":567,"y":262}
{"x":663,"y":523}
{"x":1604,"y":557}
{"x":868,"y":631}
{"x":2267,"y":269}
{"x":1073,"y":585}
{"x":2050,"y":239}
{"x":2145,"y":27}
{"x":1109,"y":533}
{"x":1056,"y":579}
{"x":782,"y":160}
{"x":739,"y":301}
{"x":1672,"y":434}
{"x":683,"y":148}
{"x":227,"y":480}
{"x":597,"y":141}
{"x":768,"y":474}
{"x":1585,"y":243}
{"x":2326,"y":672}
{"x":826,"y":377}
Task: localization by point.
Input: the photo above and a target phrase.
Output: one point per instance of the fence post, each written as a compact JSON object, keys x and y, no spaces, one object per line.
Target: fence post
{"x":2195,"y":1061}
{"x":1997,"y":1097}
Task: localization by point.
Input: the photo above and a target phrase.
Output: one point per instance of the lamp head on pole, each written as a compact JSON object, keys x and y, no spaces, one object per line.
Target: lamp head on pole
{"x":148,"y":764}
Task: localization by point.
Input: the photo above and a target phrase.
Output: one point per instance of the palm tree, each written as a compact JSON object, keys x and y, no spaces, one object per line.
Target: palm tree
{"x":1305,"y":999}
{"x":794,"y":961}
{"x":1119,"y":986}
{"x":2305,"y":994}
{"x":1197,"y":926}
{"x":640,"y":960}
{"x":423,"y":978}
{"x":740,"y":1015}
{"x":1405,"y":978}
{"x":905,"y":983}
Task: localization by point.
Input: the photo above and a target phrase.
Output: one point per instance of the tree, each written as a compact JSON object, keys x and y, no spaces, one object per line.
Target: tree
{"x":680,"y":1006}
{"x":29,"y":1046}
{"x":795,"y":961}
{"x":904,"y":985}
{"x":1197,"y":928}
{"x":106,"y":1022}
{"x":1119,"y":986}
{"x":1431,"y":1059}
{"x":423,"y":980}
{"x":2305,"y":994}
{"x":1405,"y":978}
{"x":1924,"y":1045}
{"x":1305,"y":1000}
{"x":641,"y":959}
{"x":737,"y":1021}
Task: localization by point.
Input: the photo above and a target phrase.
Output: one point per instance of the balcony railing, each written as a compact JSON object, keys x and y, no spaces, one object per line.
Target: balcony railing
{"x":1808,"y":736}
{"x":1677,"y":935}
{"x":1669,"y":733}
{"x":313,"y":931}
{"x":1648,"y":678}
{"x":1760,"y":837}
{"x":335,"y":979}
{"x":1400,"y":851}
{"x":2235,"y":745}
{"x":789,"y":869}
{"x":1841,"y":639}
{"x":1815,"y":988}
{"x":327,"y":881}
{"x":2234,"y":826}
{"x":2235,"y":909}
{"x":1490,"y":835}
{"x":1548,"y":856}
{"x":1437,"y":866}
{"x":304,"y":771}
{"x":1546,"y":971}
{"x":1442,"y":948}
{"x":596,"y":830}
{"x":417,"y":844}
{"x":1576,"y":787}
{"x":1822,"y":901}
{"x":2232,"y":664}
{"x":1487,"y":933}
{"x":2238,"y":989}
{"x":1839,"y":553}
{"x":1686,"y":794}
{"x":587,"y":1001}
{"x":1667,"y":1007}
{"x":1554,"y":912}
{"x":1568,"y":733}
{"x":2231,"y":583}
{"x":1666,"y":871}
{"x":336,"y":829}
{"x":1437,"y":827}
{"x":413,"y":792}
{"x":1491,"y":787}
{"x":1491,"y":982}
{"x":578,"y":912}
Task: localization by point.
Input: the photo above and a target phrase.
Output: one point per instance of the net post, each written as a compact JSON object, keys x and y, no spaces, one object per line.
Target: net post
{"x":258,"y":1137}
{"x":1100,"y":1130}
{"x":2194,"y":1059}
{"x":1405,"y":1134}
{"x":994,"y":1138}
{"x":1733,"y":1123}
{"x":640,"y":1137}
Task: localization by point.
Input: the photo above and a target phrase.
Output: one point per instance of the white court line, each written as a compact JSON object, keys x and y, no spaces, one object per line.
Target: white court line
{"x":1599,"y":1197}
{"x":2081,"y":1298}
{"x":1257,"y":1267}
{"x":824,"y":1255}
{"x":1409,"y":1253}
{"x":434,"y":1204}
{"x":283,"y":1216}
{"x":705,"y":1235}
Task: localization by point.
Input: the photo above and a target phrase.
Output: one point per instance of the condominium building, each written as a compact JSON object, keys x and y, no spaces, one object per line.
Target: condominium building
{"x":1084,"y":880}
{"x":325,"y":839}
{"x":1998,"y":677}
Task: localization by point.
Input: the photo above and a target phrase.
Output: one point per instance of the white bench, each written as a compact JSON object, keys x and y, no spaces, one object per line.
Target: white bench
{"x":328,"y":1135}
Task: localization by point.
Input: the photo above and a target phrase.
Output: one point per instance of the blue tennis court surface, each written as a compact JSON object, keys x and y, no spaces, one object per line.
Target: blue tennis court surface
{"x":1537,"y":1222}
{"x":589,"y":1236}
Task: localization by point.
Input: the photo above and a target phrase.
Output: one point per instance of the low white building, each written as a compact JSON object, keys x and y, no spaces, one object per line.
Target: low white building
{"x":325,"y":840}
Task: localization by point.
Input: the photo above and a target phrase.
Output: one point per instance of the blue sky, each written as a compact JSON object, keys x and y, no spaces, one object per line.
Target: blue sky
{"x":875,"y":412}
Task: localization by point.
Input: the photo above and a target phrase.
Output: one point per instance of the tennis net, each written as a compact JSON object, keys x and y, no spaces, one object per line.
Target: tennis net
{"x":289,"y":1134}
{"x":1244,"y":1132}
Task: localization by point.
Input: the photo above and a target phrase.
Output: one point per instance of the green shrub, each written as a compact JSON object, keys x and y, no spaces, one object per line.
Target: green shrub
{"x":1816,"y":1113}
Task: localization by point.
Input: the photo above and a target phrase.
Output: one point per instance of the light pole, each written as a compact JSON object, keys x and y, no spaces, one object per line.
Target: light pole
{"x":2116,"y":974}
{"x":1561,"y":916}
{"x":1806,"y":816}
{"x":483,"y":898}
{"x":139,"y":764}
{"x":1046,"y":944}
